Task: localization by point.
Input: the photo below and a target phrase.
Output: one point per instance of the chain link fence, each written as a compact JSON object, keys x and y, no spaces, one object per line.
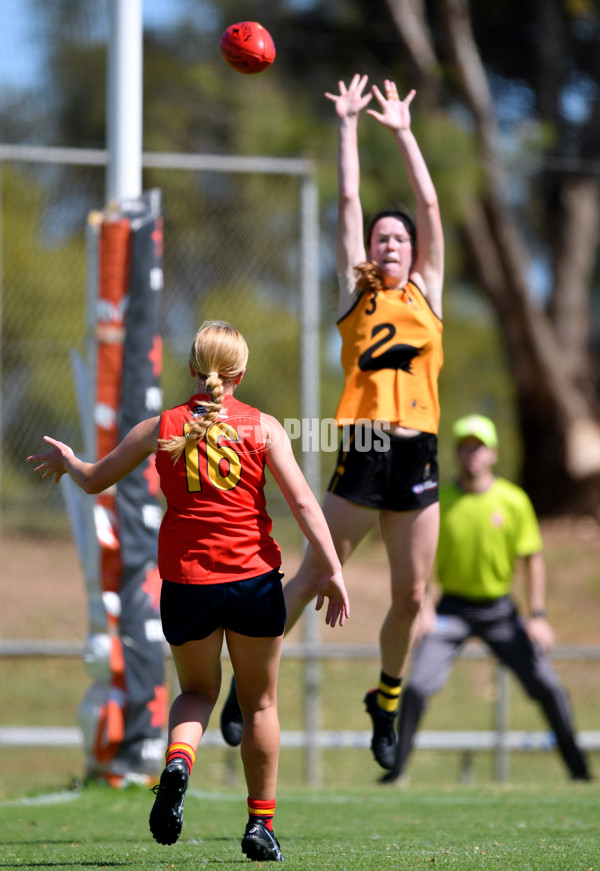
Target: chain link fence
{"x":240,"y":245}
{"x":241,"y":239}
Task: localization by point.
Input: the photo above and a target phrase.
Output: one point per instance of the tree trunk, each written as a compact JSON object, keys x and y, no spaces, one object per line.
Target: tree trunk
{"x":547,"y":352}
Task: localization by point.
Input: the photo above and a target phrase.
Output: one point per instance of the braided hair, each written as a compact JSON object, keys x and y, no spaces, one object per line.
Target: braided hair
{"x":219,"y":354}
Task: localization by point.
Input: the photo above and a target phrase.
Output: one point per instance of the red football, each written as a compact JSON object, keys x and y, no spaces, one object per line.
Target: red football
{"x":248,"y":47}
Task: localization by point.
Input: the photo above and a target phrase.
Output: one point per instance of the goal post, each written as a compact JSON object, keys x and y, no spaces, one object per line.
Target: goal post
{"x":122,"y":714}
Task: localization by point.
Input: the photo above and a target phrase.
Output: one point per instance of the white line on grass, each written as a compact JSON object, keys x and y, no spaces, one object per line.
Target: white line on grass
{"x":48,"y":798}
{"x":328,"y":798}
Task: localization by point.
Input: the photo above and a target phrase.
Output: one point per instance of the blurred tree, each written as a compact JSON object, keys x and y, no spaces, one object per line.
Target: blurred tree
{"x":508,"y":111}
{"x":484,"y":63}
{"x":36,"y":334}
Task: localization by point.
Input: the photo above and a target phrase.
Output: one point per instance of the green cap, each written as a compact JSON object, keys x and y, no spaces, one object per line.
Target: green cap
{"x":479,"y":427}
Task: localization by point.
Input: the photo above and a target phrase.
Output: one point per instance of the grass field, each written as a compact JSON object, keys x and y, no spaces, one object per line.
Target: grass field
{"x":526,"y":828}
{"x":539,"y":821}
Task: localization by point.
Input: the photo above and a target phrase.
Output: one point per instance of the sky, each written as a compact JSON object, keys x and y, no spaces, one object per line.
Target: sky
{"x":21,"y":40}
{"x":20,"y":58}
{"x":21,"y":45}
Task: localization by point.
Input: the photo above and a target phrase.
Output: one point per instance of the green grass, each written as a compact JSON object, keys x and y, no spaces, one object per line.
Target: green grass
{"x":540,"y":821}
{"x":380,"y":828}
{"x":48,"y":692}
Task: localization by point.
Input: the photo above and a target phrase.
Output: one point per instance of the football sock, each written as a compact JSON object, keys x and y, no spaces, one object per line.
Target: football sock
{"x":179,"y":750}
{"x":265,"y":810}
{"x":388,"y":692}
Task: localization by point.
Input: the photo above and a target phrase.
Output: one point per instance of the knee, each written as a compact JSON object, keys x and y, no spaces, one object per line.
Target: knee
{"x":407,"y":604}
{"x":261,"y":713}
{"x":304,"y":586}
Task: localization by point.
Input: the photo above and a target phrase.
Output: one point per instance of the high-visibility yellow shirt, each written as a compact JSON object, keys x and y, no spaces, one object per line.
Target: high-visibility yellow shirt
{"x":481,"y":537}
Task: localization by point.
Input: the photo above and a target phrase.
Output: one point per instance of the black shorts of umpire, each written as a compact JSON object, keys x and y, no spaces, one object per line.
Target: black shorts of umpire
{"x":380,"y":470}
{"x":254,"y":607}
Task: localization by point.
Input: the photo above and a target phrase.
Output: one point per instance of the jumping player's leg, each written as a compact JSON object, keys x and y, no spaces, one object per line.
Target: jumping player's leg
{"x":431,"y":663}
{"x":411,"y":539}
{"x":348,"y":523}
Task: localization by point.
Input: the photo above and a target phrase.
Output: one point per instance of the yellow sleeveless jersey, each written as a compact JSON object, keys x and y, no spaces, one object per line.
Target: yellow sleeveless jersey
{"x":391,"y":356}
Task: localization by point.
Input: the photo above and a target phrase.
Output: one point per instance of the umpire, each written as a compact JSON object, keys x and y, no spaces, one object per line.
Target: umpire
{"x":487,"y":523}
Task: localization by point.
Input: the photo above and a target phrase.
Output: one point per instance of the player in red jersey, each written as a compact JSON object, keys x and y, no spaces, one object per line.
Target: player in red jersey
{"x":219,"y":565}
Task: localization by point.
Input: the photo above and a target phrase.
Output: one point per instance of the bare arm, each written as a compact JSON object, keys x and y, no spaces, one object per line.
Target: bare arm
{"x":538,"y":628}
{"x":309,"y":516}
{"x":350,"y":243}
{"x":428,"y":267}
{"x":138,"y":444}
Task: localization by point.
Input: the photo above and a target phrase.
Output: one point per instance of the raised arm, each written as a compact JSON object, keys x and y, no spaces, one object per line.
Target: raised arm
{"x":350,"y":242}
{"x":138,"y":444}
{"x":428,"y":267}
{"x":307,"y":512}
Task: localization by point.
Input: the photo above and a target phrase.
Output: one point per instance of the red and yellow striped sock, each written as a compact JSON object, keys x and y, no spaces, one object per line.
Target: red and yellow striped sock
{"x":263,"y":809}
{"x":179,"y":750}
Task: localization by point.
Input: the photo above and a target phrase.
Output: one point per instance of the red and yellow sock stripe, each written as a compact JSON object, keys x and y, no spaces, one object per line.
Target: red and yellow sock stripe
{"x":263,"y":809}
{"x":179,"y":750}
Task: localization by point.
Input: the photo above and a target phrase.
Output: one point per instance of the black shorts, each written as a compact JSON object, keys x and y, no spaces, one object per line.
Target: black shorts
{"x":253,"y":607}
{"x":402,"y":478}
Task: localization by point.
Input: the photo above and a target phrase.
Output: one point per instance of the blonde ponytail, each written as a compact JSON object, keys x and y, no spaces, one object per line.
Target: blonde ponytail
{"x":219,"y":354}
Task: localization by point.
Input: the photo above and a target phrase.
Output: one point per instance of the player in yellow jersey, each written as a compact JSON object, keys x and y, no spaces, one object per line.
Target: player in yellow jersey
{"x":389,"y":316}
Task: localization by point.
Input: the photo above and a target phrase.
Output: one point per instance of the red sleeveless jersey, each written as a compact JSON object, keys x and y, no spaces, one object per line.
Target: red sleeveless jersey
{"x":216,"y":527}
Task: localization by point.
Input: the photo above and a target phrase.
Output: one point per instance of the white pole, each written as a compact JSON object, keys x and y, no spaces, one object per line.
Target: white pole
{"x":124,"y":101}
{"x":311,"y":459}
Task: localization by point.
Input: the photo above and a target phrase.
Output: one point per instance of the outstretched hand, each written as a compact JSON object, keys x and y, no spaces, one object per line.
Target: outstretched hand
{"x":350,"y":101}
{"x":53,"y":462}
{"x":332,"y":587}
{"x":395,"y":112}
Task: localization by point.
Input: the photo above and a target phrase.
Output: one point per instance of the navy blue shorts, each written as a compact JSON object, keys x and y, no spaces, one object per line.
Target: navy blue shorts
{"x":253,"y":607}
{"x":402,"y":478}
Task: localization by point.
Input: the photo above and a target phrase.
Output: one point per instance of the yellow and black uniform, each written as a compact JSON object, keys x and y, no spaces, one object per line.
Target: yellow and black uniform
{"x":391,"y":356}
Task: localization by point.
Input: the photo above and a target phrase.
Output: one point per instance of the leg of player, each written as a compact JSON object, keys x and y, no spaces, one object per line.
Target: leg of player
{"x":231,"y":717}
{"x":410,"y":538}
{"x":348,"y":524}
{"x":198,"y":666}
{"x":431,"y":663}
{"x":256,"y":666}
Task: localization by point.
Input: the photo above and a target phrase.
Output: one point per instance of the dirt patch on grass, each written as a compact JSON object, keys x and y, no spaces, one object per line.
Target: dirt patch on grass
{"x":42,"y":590}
